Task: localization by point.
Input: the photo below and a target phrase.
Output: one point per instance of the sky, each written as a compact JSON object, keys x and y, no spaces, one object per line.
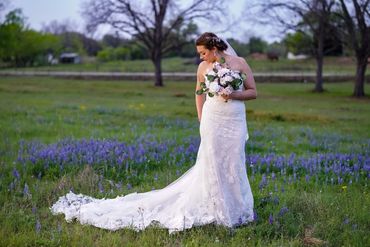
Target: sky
{"x":39,"y":12}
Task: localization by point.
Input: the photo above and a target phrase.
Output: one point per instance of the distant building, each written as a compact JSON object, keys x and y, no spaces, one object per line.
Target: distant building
{"x":291,"y":56}
{"x":70,"y":58}
{"x":51,"y":59}
{"x":258,"y":56}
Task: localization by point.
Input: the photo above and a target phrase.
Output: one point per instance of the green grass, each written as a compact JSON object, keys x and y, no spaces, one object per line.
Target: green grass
{"x":177,"y":64}
{"x":48,"y":110}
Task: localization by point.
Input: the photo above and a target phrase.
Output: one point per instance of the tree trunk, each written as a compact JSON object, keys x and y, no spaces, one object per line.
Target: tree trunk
{"x":157,"y":61}
{"x":319,"y":63}
{"x":360,"y":77}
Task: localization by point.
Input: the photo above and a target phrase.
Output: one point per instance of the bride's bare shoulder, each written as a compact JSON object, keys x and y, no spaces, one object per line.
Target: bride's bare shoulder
{"x":243,"y":64}
{"x":241,"y":60}
{"x":202,"y":66}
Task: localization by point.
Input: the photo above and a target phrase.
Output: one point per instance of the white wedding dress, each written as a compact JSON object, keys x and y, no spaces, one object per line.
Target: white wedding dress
{"x":215,"y":190}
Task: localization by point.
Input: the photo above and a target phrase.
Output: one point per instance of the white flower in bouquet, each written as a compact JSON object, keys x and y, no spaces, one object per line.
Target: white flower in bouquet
{"x":214,"y":87}
{"x":217,"y":66}
{"x":211,"y":73}
{"x":227,"y":91}
{"x":235,"y":74}
{"x":222,"y":72}
{"x":220,"y":81}
{"x":224,"y":80}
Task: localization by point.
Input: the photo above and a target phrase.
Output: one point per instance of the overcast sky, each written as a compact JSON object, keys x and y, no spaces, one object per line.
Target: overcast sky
{"x":40,"y":12}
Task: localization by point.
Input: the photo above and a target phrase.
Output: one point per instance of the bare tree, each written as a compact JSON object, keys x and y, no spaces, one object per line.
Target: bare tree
{"x":151,"y":22}
{"x":356,"y":17}
{"x":59,"y":27}
{"x":3,"y":6}
{"x":310,"y":16}
{"x":65,"y":29}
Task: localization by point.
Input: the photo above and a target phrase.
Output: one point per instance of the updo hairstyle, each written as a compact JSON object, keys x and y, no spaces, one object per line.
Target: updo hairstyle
{"x":210,"y":40}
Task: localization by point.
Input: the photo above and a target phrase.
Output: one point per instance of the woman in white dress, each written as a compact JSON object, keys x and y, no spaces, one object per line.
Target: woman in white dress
{"x":215,"y":190}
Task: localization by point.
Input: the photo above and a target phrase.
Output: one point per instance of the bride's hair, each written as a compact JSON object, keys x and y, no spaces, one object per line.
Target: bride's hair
{"x":210,"y":40}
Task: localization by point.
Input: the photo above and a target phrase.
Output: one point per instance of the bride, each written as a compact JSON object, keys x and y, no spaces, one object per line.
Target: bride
{"x":215,"y":190}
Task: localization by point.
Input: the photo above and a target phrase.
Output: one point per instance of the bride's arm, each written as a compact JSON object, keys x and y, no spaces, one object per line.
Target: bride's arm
{"x":199,"y":99}
{"x":250,"y":91}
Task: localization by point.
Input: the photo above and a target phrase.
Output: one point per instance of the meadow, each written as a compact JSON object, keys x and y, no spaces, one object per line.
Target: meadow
{"x":308,"y":160}
{"x":337,"y":65}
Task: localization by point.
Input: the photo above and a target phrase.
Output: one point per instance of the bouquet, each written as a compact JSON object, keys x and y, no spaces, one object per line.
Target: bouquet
{"x":220,"y":80}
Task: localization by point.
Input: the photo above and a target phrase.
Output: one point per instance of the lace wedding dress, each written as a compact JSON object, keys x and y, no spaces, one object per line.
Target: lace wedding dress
{"x":215,"y":190}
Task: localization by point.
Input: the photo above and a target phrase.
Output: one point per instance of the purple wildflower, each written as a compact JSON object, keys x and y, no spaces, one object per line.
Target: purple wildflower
{"x":255,"y":215}
{"x":59,"y":227}
{"x":346,"y":221}
{"x":38,"y":226}
{"x":34,"y":209}
{"x":283,"y":211}
{"x":12,"y":186}
{"x":271,"y":219}
{"x":26,"y":191}
{"x":16,"y":174}
{"x":119,"y":185}
{"x":101,"y":187}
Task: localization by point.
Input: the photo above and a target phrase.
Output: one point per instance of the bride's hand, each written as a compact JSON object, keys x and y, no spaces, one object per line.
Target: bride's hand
{"x":226,"y":97}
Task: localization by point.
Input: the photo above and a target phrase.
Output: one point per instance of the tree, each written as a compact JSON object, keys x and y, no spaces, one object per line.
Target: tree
{"x":66,"y":30}
{"x":112,"y":40}
{"x":59,"y":27}
{"x":257,"y":45}
{"x":3,"y":6}
{"x":242,"y":48}
{"x":34,"y":47}
{"x":151,"y":22}
{"x":310,"y":16}
{"x":183,"y":40}
{"x":10,"y":33}
{"x":356,"y":17}
{"x":20,"y":46}
{"x":298,"y":43}
{"x":71,"y":39}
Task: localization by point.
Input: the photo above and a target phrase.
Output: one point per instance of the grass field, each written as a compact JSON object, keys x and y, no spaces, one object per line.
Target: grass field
{"x":346,"y":65}
{"x":307,"y":159}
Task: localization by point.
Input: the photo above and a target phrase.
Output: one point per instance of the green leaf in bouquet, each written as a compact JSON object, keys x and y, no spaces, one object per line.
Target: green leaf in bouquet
{"x":222,"y":60}
{"x":240,"y":82}
{"x":199,"y":92}
{"x":210,"y":94}
{"x":236,"y":83}
{"x":243,"y":76}
{"x":210,"y":77}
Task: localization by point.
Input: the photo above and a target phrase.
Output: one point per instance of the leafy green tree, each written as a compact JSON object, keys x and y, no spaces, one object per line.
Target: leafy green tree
{"x":241,"y":48}
{"x":20,"y":46}
{"x":110,"y":40}
{"x":10,"y":33}
{"x":298,"y":43}
{"x":257,"y":44}
{"x":34,"y":48}
{"x":276,"y":50}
